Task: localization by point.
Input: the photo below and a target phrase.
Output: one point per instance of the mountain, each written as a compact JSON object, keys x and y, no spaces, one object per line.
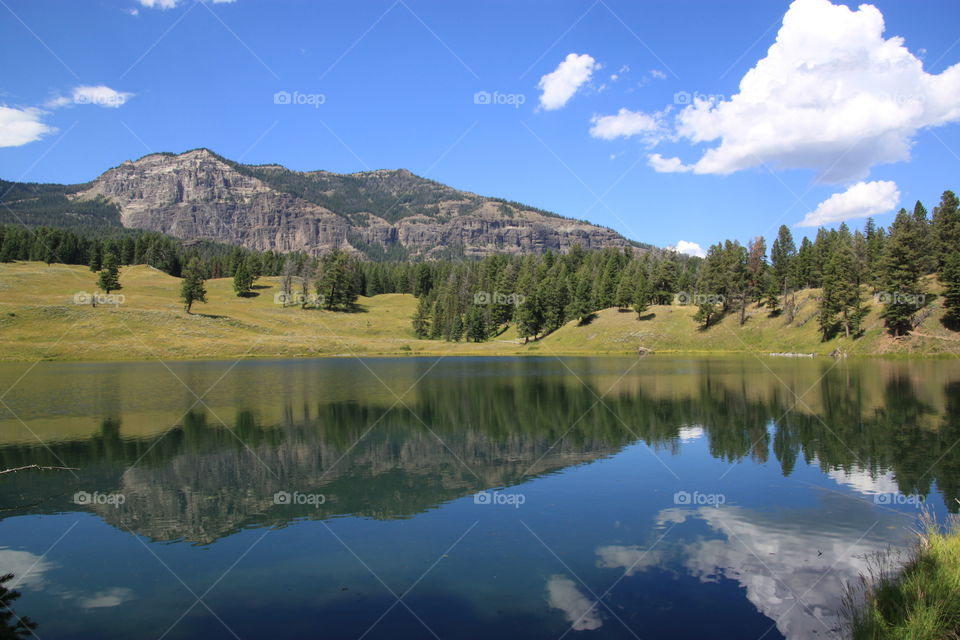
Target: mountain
{"x":199,"y":195}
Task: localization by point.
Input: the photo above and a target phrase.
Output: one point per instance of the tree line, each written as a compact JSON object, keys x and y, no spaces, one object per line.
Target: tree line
{"x":478,"y":300}
{"x":539,"y":294}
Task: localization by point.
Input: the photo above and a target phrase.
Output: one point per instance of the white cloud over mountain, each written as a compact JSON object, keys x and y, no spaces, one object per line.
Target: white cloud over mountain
{"x":690,"y":249}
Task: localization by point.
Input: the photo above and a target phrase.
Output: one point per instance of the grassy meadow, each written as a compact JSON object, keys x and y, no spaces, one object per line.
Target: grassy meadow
{"x":40,"y":320}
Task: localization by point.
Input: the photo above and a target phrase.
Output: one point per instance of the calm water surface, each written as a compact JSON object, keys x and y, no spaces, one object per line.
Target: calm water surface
{"x":464,"y":498}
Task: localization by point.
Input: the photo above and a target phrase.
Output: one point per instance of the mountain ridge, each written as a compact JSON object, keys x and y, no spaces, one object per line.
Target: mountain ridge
{"x":199,"y":195}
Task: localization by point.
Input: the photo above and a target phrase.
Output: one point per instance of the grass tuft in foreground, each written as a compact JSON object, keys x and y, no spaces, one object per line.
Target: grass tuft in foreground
{"x":917,"y":599}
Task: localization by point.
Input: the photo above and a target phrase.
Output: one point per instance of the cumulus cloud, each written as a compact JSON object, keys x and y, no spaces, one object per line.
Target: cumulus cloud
{"x":862,"y":200}
{"x":667,"y":165}
{"x":560,"y":85}
{"x":659,"y":75}
{"x":794,"y":566}
{"x":831,"y":95}
{"x":20,"y":126}
{"x":690,"y":249}
{"x":581,"y":612}
{"x":626,"y":123}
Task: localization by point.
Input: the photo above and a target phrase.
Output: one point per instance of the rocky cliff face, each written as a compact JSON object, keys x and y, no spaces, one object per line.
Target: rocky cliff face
{"x":199,"y":195}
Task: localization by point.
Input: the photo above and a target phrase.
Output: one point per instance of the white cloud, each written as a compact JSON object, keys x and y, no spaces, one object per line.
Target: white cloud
{"x":866,"y":481}
{"x":690,"y":249}
{"x":659,"y":75}
{"x":831,"y":95}
{"x":627,"y":123}
{"x":688,"y":434}
{"x":805,"y":553}
{"x":27,"y":568}
{"x":562,"y":83}
{"x":99,"y":95}
{"x":112,"y":597}
{"x":667,"y":165}
{"x":862,"y":200}
{"x":632,"y":559}
{"x":20,"y":126}
{"x":563,"y":594}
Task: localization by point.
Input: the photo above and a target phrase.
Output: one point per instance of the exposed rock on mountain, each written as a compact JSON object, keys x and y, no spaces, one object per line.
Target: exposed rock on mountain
{"x":198,"y":195}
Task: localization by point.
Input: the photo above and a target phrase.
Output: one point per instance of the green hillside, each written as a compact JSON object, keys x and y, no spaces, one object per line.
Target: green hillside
{"x":39,"y":320}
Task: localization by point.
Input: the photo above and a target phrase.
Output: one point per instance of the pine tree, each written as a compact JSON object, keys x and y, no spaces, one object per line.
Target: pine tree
{"x":337,"y":284}
{"x":756,"y":267}
{"x":950,"y":279}
{"x":456,"y":328}
{"x":530,"y":317}
{"x":421,"y":319}
{"x":641,"y":297}
{"x":901,"y":275}
{"x":782,"y":255}
{"x":926,"y":241}
{"x":12,"y":626}
{"x":841,"y":305}
{"x":946,"y":227}
{"x":476,"y":326}
{"x":96,"y":257}
{"x":664,"y":283}
{"x":242,"y":279}
{"x":706,"y":312}
{"x":625,"y":290}
{"x":110,"y":274}
{"x":580,"y":306}
{"x":876,"y":239}
{"x":771,"y":295}
{"x":437,"y":321}
{"x":192,"y":289}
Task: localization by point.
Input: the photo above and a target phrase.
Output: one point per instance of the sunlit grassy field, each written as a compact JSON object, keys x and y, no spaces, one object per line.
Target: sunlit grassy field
{"x":40,"y":320}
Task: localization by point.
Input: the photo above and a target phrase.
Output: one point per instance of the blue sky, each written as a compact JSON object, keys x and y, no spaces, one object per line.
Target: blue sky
{"x":838,"y":110}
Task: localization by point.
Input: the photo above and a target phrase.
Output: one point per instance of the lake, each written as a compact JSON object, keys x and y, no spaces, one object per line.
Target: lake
{"x":465,"y":497}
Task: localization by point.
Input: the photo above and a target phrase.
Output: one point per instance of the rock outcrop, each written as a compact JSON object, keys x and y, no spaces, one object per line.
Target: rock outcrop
{"x":198,"y":195}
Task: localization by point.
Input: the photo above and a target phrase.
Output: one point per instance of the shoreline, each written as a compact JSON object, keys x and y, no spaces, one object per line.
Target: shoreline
{"x":440,"y":353}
